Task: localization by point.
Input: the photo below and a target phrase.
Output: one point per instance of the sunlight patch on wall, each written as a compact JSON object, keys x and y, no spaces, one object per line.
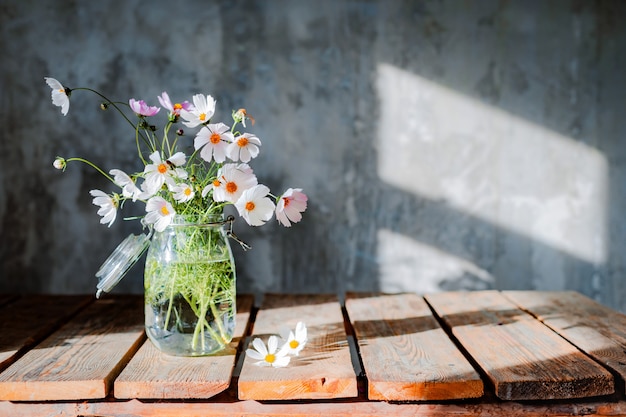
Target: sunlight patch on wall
{"x":439,"y":144}
{"x":408,"y":264}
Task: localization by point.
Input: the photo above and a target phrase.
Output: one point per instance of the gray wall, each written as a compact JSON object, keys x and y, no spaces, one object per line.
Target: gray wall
{"x":443,"y":144}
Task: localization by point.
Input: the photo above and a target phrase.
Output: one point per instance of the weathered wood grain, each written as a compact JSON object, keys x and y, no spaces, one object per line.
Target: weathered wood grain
{"x":324,"y":367}
{"x":81,"y":359}
{"x":523,"y":358}
{"x":405,"y":353}
{"x":153,"y":374}
{"x":29,"y":319}
{"x":593,"y":328}
{"x":312,"y":408}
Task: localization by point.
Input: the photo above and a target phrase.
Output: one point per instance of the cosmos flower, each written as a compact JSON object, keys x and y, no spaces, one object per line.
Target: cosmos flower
{"x":174,"y":108}
{"x":126,"y":183}
{"x":290,"y":206}
{"x":212,"y":142}
{"x":182,"y":192}
{"x":268,"y":356}
{"x":160,"y":213}
{"x":295,"y":341}
{"x":163,"y":172}
{"x":244,"y":147}
{"x":108,"y":206}
{"x":255,"y":206}
{"x":60,"y":95}
{"x":201,"y":111}
{"x":142,"y":109}
{"x":232,"y":180}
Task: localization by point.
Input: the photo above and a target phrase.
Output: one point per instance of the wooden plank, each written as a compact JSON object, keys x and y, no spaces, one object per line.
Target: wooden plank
{"x":523,"y":358}
{"x":7,"y":298}
{"x":593,"y":328}
{"x":31,"y":318}
{"x":312,"y":408}
{"x":323,"y":369}
{"x":405,"y":353}
{"x":153,"y":374}
{"x":82,"y":358}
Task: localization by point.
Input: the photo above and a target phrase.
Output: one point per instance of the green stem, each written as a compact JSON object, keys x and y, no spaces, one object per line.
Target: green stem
{"x":94,"y":166}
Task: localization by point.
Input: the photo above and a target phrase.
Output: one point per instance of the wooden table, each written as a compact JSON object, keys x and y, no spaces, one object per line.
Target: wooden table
{"x":448,"y":354}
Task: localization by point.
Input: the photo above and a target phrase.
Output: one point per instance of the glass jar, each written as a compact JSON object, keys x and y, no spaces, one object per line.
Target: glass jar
{"x":190,"y":287}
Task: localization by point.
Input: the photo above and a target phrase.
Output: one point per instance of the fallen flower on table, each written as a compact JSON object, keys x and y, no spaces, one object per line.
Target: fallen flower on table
{"x":294,"y":341}
{"x":270,"y":355}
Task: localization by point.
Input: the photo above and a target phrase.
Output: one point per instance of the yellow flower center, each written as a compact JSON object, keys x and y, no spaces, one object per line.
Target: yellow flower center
{"x":216,"y":183}
{"x":231,"y":187}
{"x":165,"y":211}
{"x":242,"y":142}
{"x":162,"y":168}
{"x":178,"y":106}
{"x":61,"y":90}
{"x":202,"y":116}
{"x":250,"y":206}
{"x":187,"y":191}
{"x":294,"y":344}
{"x":286,"y":201}
{"x":270,"y":358}
{"x":215,"y":138}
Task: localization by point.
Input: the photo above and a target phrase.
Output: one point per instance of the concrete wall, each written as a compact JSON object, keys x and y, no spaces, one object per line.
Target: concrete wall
{"x":443,"y":144}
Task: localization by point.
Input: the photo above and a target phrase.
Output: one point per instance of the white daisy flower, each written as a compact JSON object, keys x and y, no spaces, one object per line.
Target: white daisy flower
{"x":126,"y":183}
{"x":232,"y":180}
{"x":268,"y":356}
{"x":295,"y":341}
{"x":182,"y":192}
{"x":244,"y":147}
{"x":108,"y":206}
{"x":160,"y":213}
{"x":163,"y":172}
{"x":254,"y":205}
{"x":201,"y":112}
{"x":212,"y":141}
{"x":60,"y":95}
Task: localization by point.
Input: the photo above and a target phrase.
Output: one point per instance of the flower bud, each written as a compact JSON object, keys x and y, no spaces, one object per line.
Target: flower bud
{"x":180,"y":132}
{"x":104,"y":106}
{"x":59,"y":163}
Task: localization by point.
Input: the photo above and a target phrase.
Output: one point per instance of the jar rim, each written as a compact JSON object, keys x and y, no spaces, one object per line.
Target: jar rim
{"x":217,"y":219}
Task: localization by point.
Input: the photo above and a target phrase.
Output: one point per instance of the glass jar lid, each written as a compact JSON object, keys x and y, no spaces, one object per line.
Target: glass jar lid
{"x":120,"y":261}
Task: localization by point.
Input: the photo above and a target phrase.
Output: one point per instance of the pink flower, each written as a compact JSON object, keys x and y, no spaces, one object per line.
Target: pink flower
{"x":290,"y":206}
{"x":175,"y":108}
{"x":142,"y":109}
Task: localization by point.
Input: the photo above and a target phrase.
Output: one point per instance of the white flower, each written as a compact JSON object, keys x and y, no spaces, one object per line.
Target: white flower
{"x":202,"y":111}
{"x":212,"y":141}
{"x":126,"y":183}
{"x":232,"y":180}
{"x":244,"y":147}
{"x":290,"y":206}
{"x":108,"y":206}
{"x":163,"y":172}
{"x":182,"y":192}
{"x":268,"y":356}
{"x":294,"y":342}
{"x":60,"y":96}
{"x":160,"y":213}
{"x":254,"y":205}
